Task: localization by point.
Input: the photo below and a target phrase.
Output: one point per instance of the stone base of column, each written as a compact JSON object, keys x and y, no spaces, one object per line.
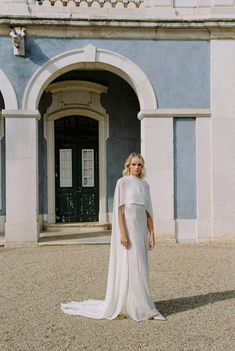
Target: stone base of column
{"x":21,"y":234}
{"x":165,"y":229}
{"x":186,"y":230}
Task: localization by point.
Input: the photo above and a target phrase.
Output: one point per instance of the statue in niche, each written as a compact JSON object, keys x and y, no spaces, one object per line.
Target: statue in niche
{"x":17,"y":35}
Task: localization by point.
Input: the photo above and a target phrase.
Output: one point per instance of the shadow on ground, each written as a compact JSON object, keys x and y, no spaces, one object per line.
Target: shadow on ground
{"x":181,"y":304}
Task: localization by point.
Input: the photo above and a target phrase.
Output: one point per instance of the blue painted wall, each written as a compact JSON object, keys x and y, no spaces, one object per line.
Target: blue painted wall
{"x":178,"y":69}
{"x":185,"y":200}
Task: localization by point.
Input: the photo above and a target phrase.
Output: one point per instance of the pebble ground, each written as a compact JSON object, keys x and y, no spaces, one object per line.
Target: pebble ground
{"x":192,"y":286}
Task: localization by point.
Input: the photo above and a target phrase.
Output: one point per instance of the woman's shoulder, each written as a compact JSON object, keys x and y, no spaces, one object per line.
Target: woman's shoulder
{"x":122,"y":180}
{"x":127,"y":179}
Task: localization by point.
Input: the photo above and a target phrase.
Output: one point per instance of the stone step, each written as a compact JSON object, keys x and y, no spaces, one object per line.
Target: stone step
{"x":75,"y":228}
{"x":68,"y":234}
{"x":59,"y":238}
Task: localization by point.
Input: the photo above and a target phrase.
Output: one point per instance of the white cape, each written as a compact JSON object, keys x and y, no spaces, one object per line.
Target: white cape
{"x":128,"y":283}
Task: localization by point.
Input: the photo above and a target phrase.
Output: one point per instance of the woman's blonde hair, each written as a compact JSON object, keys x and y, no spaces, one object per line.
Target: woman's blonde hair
{"x":126,"y":170}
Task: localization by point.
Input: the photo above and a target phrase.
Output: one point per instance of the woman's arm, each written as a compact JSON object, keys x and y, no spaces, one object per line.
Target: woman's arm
{"x":122,"y":227}
{"x":151,"y":231}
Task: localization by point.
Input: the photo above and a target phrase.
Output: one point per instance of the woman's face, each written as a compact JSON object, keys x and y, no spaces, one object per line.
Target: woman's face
{"x":135,"y":167}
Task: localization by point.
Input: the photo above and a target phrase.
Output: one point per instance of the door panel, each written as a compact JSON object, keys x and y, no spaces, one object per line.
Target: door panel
{"x":77,"y":182}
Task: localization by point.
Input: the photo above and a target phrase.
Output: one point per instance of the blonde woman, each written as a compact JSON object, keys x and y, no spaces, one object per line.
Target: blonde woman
{"x":132,"y":236}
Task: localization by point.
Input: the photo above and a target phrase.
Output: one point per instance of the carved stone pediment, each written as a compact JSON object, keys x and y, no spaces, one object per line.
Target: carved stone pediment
{"x":75,"y":95}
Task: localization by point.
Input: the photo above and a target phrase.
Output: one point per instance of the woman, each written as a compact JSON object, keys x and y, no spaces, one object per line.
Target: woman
{"x":128,"y":287}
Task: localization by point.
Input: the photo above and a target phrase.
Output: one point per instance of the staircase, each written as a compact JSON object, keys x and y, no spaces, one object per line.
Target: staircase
{"x":75,"y":233}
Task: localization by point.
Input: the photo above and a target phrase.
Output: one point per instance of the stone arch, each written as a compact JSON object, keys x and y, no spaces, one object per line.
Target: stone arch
{"x":8,"y":92}
{"x":90,"y":57}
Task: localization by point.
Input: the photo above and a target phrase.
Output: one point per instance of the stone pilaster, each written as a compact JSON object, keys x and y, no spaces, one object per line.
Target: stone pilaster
{"x":21,"y":133}
{"x":157,"y":149}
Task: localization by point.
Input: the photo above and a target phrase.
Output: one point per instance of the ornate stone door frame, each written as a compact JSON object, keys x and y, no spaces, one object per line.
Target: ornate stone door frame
{"x":77,"y":98}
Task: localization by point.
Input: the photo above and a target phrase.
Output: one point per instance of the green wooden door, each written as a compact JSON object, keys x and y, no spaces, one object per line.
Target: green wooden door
{"x":76,"y":169}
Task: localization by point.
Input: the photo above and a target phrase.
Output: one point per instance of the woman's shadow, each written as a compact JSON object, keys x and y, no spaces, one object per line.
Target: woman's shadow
{"x":181,"y":304}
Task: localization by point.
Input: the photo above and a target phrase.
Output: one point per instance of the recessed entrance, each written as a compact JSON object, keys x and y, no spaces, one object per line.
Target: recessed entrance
{"x":76,"y":169}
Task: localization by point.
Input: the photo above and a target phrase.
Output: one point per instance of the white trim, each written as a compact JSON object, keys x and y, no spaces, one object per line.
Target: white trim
{"x":1,"y":126}
{"x":204,"y":178}
{"x":103,"y":59}
{"x":21,"y":114}
{"x":174,"y":112}
{"x":8,"y":92}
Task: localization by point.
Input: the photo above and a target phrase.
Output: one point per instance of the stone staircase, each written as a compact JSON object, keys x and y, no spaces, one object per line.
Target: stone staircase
{"x":75,"y":233}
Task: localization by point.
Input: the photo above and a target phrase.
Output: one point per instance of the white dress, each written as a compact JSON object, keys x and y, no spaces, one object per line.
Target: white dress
{"x":128,"y":282}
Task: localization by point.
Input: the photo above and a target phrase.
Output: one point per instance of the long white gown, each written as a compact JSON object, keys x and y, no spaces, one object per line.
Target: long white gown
{"x":128,"y":277}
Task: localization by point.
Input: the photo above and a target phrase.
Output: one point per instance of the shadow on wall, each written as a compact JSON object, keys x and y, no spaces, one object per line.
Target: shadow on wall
{"x":34,"y":52}
{"x":167,"y":307}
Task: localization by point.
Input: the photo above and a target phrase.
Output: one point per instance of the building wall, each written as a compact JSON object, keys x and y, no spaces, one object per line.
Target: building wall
{"x":185,"y":74}
{"x":178,"y":69}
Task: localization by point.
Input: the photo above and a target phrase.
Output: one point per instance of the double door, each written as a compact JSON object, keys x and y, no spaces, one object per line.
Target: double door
{"x":76,"y":171}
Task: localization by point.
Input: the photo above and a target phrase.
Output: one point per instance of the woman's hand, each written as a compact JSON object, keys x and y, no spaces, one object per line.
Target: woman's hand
{"x":124,"y":240}
{"x":151,"y":240}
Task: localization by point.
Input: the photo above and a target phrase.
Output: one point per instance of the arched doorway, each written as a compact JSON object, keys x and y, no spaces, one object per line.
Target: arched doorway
{"x":93,"y":59}
{"x":76,"y":169}
{"x":75,"y":123}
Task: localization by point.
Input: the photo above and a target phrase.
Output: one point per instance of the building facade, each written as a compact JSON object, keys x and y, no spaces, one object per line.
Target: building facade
{"x":84,"y":83}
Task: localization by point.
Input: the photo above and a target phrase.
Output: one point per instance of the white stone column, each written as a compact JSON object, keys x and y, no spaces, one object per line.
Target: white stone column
{"x":223,"y":141}
{"x":102,"y":171}
{"x":49,"y":126}
{"x":157,"y":149}
{"x":21,"y":226}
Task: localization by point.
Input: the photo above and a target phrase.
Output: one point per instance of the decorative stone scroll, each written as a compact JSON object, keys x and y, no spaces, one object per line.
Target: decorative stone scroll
{"x":17,"y":35}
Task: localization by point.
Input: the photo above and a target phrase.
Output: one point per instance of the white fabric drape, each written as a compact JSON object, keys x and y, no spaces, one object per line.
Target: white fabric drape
{"x":128,"y":282}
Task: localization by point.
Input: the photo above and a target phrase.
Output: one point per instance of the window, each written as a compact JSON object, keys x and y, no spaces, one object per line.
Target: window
{"x":87,"y":167}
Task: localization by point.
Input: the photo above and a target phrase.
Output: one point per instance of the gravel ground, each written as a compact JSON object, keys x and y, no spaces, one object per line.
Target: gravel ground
{"x":191,"y":285}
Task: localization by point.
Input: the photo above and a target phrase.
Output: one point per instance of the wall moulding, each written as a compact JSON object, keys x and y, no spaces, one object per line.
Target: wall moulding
{"x":169,"y":113}
{"x":144,"y":29}
{"x":21,"y":114}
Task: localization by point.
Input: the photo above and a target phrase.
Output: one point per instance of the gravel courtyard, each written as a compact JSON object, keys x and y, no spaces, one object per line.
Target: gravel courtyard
{"x":191,"y":285}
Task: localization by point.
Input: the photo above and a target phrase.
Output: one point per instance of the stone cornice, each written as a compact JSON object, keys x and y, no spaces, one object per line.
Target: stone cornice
{"x":174,"y":112}
{"x":222,"y":28}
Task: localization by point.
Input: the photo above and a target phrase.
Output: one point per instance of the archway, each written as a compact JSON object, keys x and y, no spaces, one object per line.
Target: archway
{"x":8,"y":92}
{"x":90,"y":57}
